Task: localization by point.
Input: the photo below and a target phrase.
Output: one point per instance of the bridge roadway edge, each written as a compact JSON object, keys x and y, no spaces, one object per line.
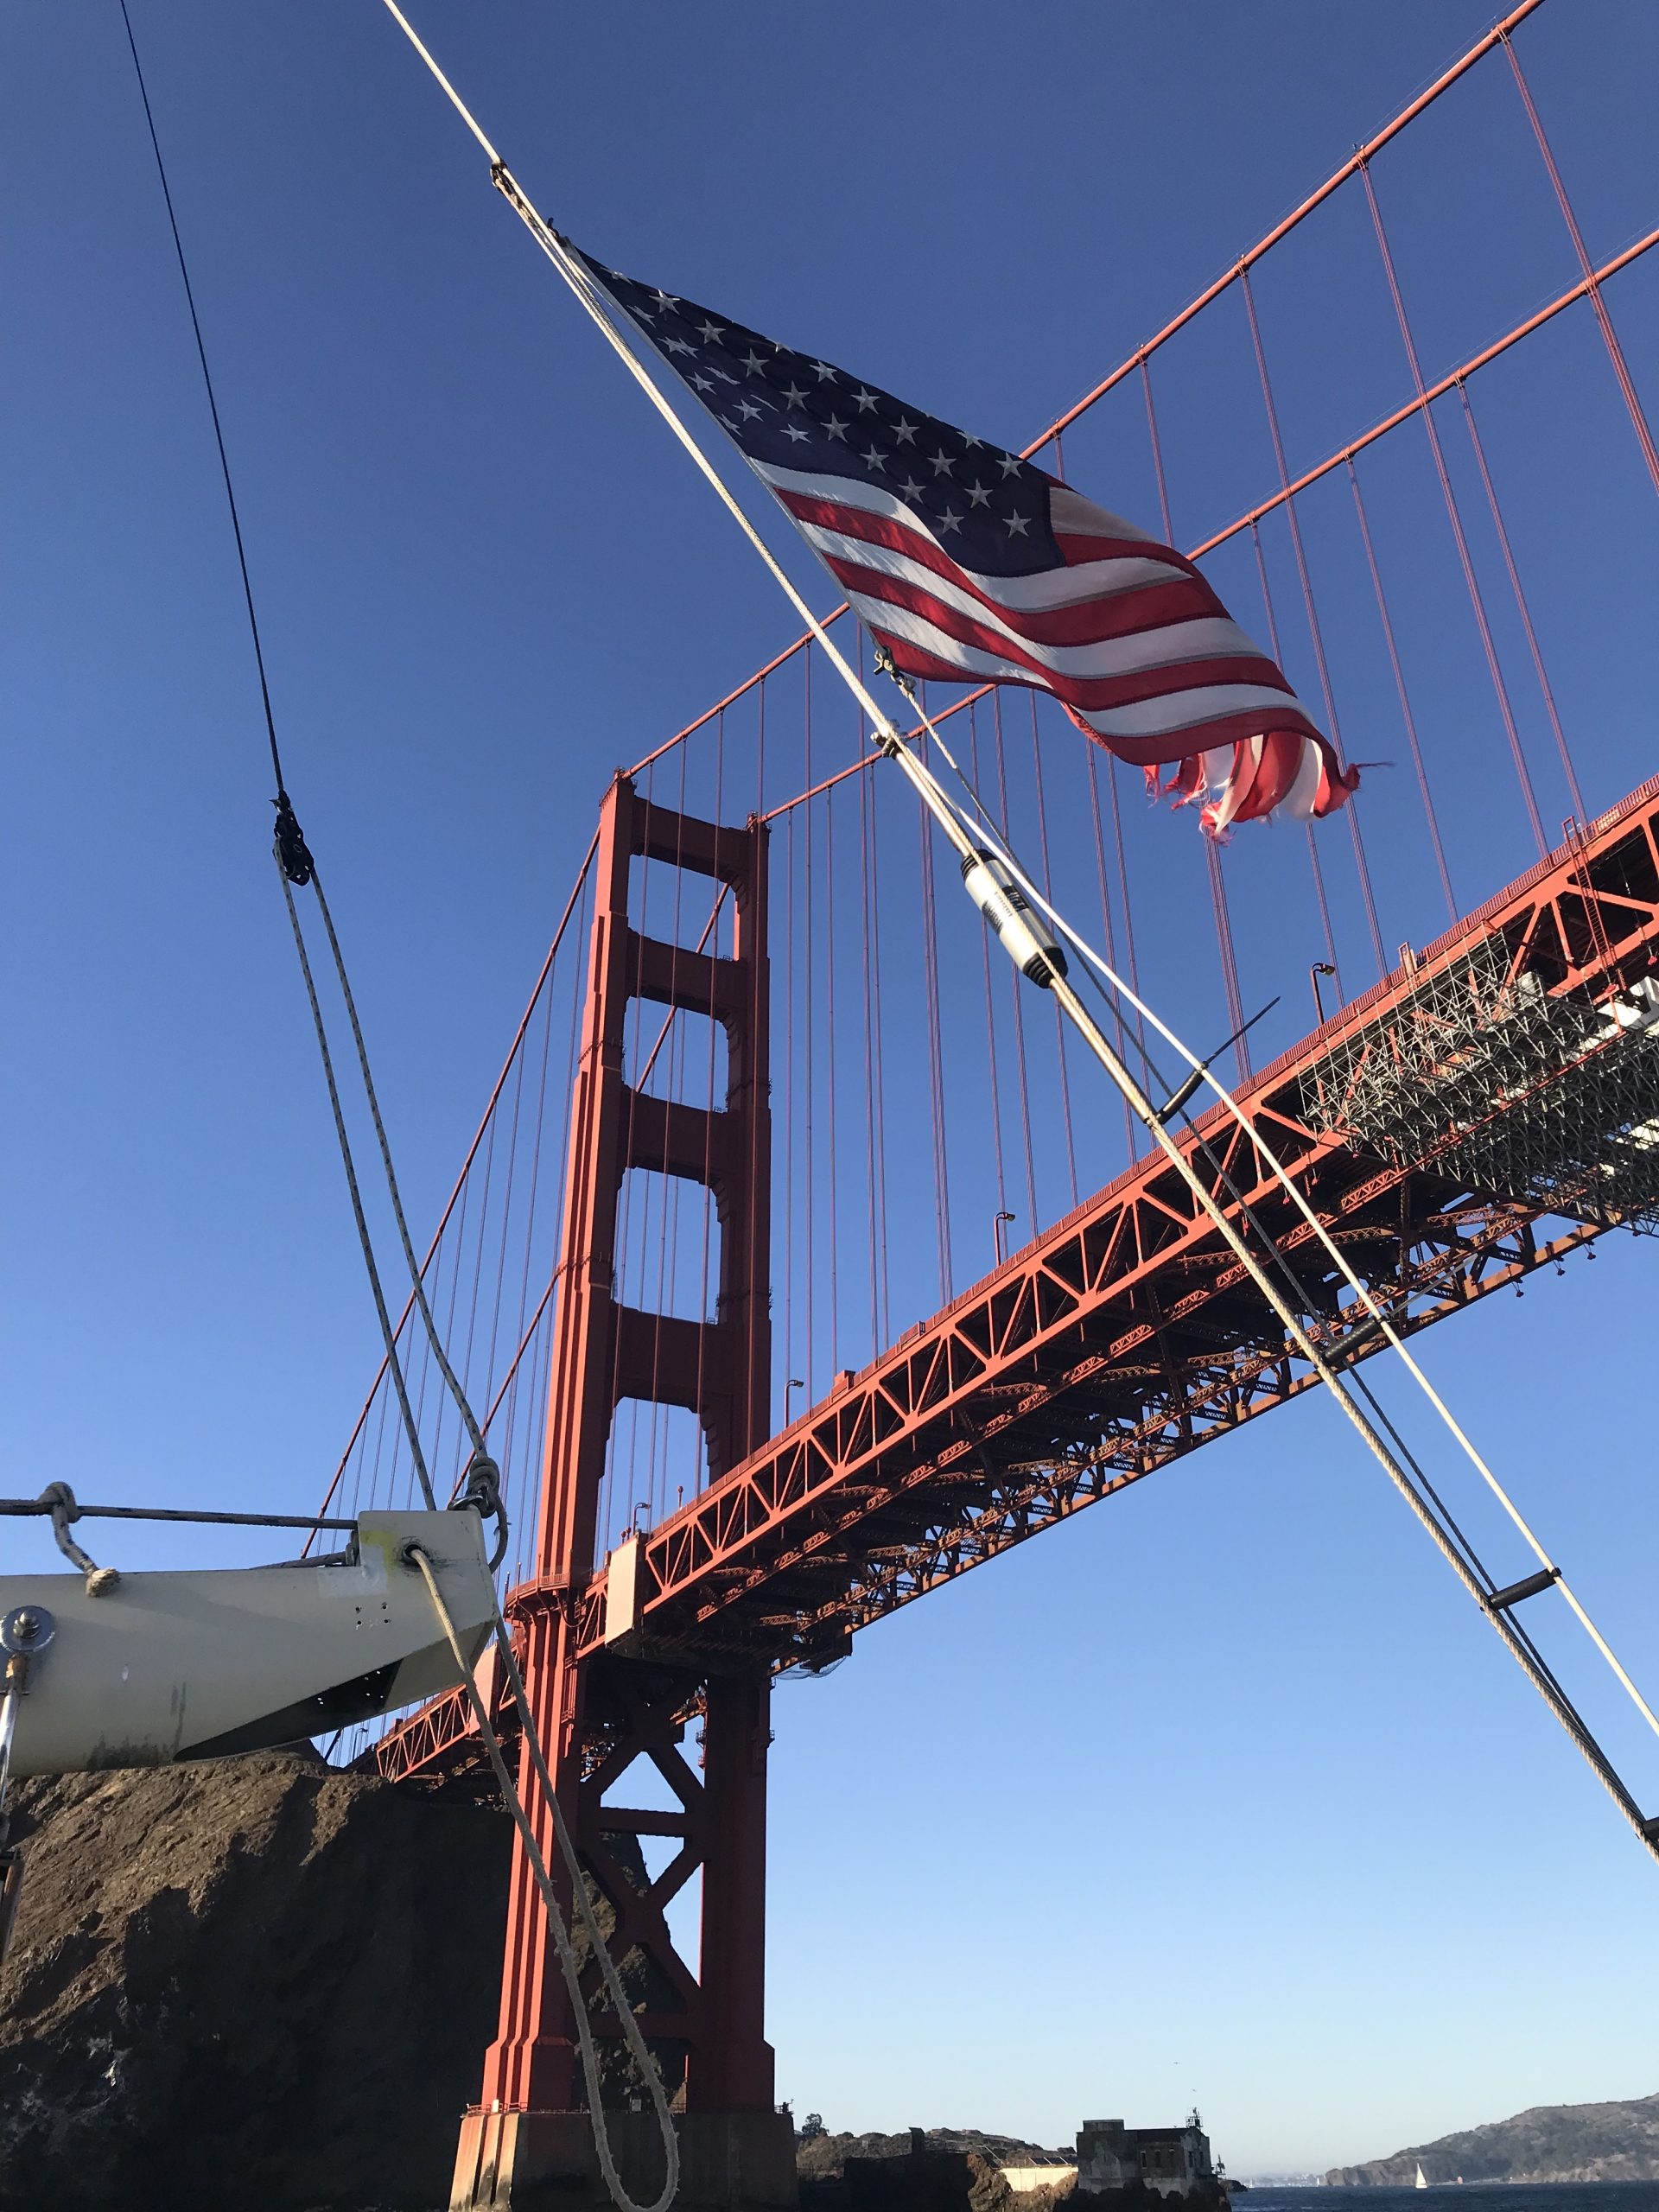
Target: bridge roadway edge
{"x":1114,"y":1343}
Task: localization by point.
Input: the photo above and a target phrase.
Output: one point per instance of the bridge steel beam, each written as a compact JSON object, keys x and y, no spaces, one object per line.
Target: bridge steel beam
{"x":601,"y":1708}
{"x":1126,"y":1335}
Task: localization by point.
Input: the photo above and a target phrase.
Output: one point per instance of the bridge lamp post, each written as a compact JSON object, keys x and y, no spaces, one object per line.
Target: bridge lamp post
{"x":997,"y":1239}
{"x":1319,"y":967}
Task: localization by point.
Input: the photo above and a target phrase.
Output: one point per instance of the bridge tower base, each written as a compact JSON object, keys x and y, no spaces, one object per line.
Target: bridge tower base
{"x":527,"y":2142}
{"x":545,"y":2161}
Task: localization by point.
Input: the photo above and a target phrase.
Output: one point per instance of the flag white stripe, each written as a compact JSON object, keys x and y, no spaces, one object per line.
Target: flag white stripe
{"x":1174,"y":711}
{"x":1182,"y":710}
{"x":1036,"y":595}
{"x":1204,"y":636}
{"x":1221,"y":769}
{"x":1299,"y":800}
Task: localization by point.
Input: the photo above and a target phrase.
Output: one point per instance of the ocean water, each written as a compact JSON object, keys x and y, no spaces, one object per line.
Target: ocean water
{"x":1479,"y":2196}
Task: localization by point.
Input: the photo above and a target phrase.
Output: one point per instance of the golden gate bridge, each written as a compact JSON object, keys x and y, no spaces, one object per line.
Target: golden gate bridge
{"x":739,"y":1418}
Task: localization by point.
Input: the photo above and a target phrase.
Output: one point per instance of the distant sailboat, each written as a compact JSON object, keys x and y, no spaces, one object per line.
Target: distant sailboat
{"x":1420,"y":2182}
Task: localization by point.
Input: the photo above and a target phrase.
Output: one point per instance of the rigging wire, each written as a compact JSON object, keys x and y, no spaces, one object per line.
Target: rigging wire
{"x":1497,"y":1611}
{"x":388,"y":1336}
{"x":212,"y":408}
{"x":960,"y":828}
{"x":1275,"y":1167}
{"x":596,"y":301}
{"x":416,"y":1283}
{"x":297,"y":869}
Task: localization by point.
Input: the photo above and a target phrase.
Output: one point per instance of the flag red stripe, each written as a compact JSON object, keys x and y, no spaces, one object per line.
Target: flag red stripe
{"x":1085,"y":691}
{"x":1113,"y":614}
{"x":1075,"y":550}
{"x":1140,"y":752}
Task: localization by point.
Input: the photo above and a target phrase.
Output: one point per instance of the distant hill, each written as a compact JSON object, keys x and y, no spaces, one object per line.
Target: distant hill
{"x":1610,"y":2142}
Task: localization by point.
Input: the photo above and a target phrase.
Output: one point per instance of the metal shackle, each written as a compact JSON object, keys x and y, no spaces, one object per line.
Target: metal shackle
{"x":25,"y":1630}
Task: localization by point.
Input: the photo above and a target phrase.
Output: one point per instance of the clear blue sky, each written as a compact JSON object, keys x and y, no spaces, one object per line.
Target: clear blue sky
{"x":1220,"y":1794}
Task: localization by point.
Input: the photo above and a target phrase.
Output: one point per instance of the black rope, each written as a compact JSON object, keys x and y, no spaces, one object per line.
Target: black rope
{"x":289,"y":841}
{"x":25,"y":1507}
{"x":481,"y":1481}
{"x":388,"y":1334}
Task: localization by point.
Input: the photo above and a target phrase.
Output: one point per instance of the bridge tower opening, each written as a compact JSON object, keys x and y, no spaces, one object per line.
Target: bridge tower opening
{"x":700,"y":1717}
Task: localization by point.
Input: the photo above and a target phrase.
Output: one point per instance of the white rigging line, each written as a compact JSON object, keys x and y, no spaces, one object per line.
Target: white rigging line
{"x":951,"y":819}
{"x":1270,"y":1159}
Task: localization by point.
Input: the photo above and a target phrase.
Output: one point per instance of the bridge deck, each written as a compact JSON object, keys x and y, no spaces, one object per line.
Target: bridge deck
{"x":1126,"y":1335}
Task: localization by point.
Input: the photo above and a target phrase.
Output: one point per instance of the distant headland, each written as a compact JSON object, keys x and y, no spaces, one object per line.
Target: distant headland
{"x":1607,"y":2142}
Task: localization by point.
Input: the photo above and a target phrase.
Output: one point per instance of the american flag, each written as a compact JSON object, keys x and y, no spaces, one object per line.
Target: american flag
{"x":967,"y":564}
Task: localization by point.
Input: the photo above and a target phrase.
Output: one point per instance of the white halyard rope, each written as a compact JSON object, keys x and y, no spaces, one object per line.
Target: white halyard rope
{"x":1292,"y":1190}
{"x":951,"y":820}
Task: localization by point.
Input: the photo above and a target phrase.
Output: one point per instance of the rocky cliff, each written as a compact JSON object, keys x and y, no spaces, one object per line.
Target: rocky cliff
{"x":823,"y":2158}
{"x":1609,"y":2142}
{"x":256,"y":1982}
{"x":931,"y":2169}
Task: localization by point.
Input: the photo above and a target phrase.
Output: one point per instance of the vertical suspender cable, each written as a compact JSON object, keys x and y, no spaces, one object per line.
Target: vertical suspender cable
{"x":1315,"y":635}
{"x":1091,"y":759}
{"x":990,"y":1020}
{"x":936,"y":1065}
{"x":829,"y":1073}
{"x":1048,"y":886}
{"x":878,"y":1077}
{"x":1015,"y":994}
{"x":1406,"y":716}
{"x":1313,"y":862}
{"x":789,"y":1113}
{"x":1610,"y":336}
{"x":1211,"y":849}
{"x":810,"y":1178}
{"x":960,"y":833}
{"x":1465,"y":560}
{"x":1521,"y":606}
{"x":876,"y":1223}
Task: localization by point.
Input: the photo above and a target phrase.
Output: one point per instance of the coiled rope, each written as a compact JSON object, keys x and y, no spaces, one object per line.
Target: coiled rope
{"x":632,"y":2034}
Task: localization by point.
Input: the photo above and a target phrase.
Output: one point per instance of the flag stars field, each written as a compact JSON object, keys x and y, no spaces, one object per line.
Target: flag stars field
{"x":1016,"y":580}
